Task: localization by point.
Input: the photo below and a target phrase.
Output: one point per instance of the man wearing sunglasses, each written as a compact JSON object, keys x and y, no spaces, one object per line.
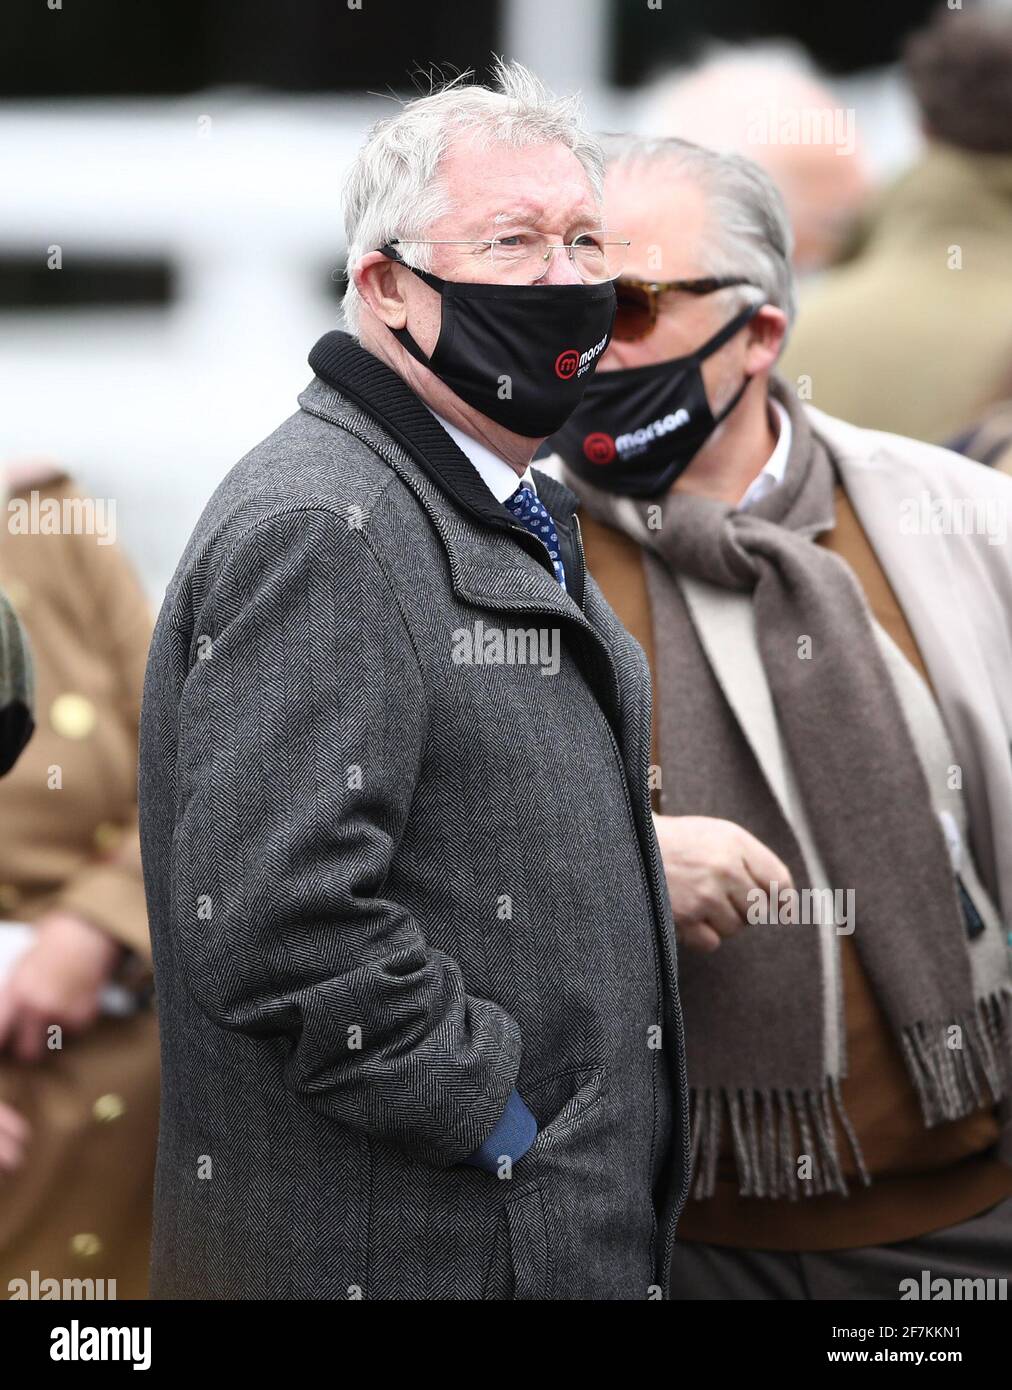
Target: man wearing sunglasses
{"x":826,"y":611}
{"x":414,"y":953}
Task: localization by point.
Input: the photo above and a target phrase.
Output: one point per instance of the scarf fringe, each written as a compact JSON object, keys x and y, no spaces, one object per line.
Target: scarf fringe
{"x":773,"y":1130}
{"x":953,"y":1081}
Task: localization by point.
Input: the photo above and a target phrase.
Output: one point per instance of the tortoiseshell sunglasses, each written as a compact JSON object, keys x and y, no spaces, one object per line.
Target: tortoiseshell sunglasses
{"x":639,"y":301}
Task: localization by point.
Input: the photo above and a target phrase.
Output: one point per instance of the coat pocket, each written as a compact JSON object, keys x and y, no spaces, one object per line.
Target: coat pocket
{"x":525,"y":1249}
{"x":564,"y":1102}
{"x":520,"y":1258}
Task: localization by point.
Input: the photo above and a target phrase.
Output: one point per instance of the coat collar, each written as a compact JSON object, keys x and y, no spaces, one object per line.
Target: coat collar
{"x":344,"y":364}
{"x":493,"y":561}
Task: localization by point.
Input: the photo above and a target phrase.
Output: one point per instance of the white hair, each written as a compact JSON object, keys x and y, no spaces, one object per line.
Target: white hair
{"x":393,"y":188}
{"x":750,"y":231}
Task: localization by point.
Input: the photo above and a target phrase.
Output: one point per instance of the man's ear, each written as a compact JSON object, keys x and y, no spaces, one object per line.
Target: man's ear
{"x":378,"y":281}
{"x":766,"y":337}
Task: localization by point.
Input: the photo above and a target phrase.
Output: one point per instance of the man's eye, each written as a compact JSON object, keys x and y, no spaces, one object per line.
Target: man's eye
{"x":591,"y":239}
{"x":511,"y":243}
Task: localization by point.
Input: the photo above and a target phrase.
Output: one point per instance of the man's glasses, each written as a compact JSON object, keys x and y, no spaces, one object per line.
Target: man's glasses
{"x":639,"y":301}
{"x":524,"y":257}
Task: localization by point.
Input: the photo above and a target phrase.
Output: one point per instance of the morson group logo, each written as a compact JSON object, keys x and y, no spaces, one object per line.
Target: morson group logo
{"x":601,"y":448}
{"x":571,"y":363}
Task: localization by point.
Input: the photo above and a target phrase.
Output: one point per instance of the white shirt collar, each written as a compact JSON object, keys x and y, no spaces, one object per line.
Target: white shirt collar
{"x":498,"y":476}
{"x":772,"y":473}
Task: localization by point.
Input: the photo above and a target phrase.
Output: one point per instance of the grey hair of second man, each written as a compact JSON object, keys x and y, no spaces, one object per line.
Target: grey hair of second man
{"x":393,"y":189}
{"x":750,"y":231}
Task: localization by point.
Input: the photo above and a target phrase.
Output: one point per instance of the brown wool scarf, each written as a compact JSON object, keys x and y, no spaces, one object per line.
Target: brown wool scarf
{"x":755,"y":1009}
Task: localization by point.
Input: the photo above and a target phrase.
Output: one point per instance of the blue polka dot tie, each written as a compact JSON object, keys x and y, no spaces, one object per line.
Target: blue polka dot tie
{"x":534,"y":516}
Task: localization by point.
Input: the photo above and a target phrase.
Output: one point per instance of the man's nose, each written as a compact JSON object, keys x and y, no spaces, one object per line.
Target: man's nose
{"x":561,"y":270}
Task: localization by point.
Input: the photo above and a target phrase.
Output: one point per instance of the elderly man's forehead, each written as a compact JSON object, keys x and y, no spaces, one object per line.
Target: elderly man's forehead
{"x":491,"y":182}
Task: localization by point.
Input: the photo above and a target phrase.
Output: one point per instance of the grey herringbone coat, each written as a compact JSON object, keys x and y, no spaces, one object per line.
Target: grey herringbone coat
{"x":386,"y":886}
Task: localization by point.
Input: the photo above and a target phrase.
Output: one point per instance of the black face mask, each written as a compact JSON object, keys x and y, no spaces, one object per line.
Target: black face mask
{"x":521,"y":354}
{"x":637,"y":429}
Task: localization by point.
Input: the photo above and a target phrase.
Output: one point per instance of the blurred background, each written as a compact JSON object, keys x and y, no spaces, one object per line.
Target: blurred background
{"x":170,"y":232}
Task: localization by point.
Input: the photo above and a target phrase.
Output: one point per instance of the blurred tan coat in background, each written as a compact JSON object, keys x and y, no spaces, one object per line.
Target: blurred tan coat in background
{"x":914,"y":335}
{"x":80,"y":1205}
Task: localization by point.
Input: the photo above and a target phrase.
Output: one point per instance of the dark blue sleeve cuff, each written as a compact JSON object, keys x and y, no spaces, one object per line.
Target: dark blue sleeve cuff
{"x":513,"y":1136}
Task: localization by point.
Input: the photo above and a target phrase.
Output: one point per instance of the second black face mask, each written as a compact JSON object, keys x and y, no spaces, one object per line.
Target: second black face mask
{"x":637,"y":429}
{"x":520,"y":354}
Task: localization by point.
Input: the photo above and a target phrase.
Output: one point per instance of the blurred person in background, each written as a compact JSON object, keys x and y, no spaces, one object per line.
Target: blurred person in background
{"x":768,"y":101}
{"x":824,"y":660}
{"x":78,"y":1038}
{"x":914,"y":335}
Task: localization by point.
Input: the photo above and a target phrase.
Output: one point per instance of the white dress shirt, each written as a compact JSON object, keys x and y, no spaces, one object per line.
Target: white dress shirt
{"x":772,"y":473}
{"x":501,"y":479}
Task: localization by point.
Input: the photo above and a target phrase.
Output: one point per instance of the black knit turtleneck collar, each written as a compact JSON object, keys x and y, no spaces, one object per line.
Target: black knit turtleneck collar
{"x":345,"y":365}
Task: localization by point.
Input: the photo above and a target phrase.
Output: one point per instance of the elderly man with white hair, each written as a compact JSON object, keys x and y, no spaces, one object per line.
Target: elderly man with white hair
{"x":826,"y":611}
{"x":414,"y":956}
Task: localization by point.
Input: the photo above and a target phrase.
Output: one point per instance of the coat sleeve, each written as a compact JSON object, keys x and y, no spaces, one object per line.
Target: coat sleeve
{"x":302,"y":727}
